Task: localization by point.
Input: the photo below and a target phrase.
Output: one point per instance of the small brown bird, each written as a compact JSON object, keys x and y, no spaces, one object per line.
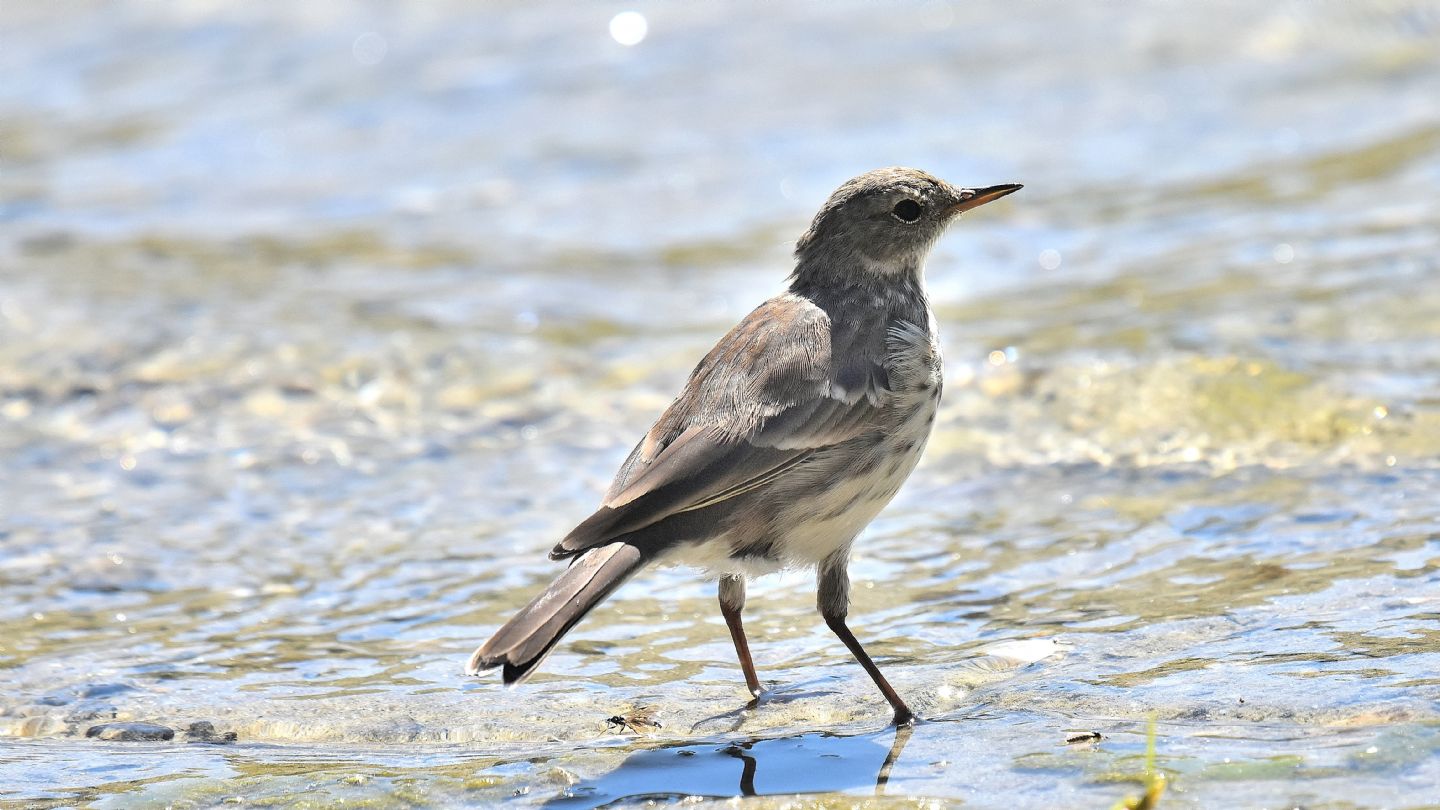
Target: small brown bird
{"x":789,"y":437}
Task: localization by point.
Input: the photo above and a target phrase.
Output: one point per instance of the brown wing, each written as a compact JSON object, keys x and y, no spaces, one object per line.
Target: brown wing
{"x":757,"y":406}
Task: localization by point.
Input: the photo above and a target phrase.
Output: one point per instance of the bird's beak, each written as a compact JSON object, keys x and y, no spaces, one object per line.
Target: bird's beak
{"x":976,"y":197}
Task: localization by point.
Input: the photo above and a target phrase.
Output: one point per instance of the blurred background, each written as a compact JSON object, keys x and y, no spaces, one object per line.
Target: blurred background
{"x":319,"y":322}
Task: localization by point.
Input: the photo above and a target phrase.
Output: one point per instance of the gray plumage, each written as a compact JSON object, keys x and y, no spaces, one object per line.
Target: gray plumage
{"x":790,"y":435}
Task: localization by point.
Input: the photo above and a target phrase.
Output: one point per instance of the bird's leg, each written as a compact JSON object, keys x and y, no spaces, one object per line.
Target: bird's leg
{"x":732,"y":601}
{"x":834,"y":602}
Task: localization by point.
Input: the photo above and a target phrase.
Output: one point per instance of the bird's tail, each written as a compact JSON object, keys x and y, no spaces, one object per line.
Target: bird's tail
{"x":525,"y":640}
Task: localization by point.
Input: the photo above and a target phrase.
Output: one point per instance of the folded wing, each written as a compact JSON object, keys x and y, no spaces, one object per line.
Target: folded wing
{"x":756,"y":408}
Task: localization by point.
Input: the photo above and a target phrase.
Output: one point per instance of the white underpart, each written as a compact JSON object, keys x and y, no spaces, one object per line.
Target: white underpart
{"x":914,"y":264}
{"x":845,"y":395}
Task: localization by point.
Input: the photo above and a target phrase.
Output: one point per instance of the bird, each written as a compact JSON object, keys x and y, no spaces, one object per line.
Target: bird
{"x":789,"y":436}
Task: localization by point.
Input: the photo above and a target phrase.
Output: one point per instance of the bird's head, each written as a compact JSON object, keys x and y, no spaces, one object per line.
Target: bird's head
{"x":884,"y":222}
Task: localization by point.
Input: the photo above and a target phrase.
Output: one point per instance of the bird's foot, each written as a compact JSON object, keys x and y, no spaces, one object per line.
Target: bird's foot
{"x":762,"y":693}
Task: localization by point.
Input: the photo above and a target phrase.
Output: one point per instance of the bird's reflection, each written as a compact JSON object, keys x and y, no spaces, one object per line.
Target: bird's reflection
{"x":902,"y":736}
{"x":747,"y":770}
{"x":807,"y":763}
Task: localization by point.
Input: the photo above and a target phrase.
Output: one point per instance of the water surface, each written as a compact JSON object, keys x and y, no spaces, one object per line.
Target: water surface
{"x":319,"y":324}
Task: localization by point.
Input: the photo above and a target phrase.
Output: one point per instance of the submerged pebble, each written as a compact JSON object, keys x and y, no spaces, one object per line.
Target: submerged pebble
{"x":131,"y":732}
{"x":86,"y":712}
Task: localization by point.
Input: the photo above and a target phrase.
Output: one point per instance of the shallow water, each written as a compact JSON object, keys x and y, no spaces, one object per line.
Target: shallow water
{"x":318,"y":325}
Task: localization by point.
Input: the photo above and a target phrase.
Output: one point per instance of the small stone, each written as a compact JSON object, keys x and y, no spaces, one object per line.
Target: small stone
{"x":203,"y":731}
{"x":131,"y":732}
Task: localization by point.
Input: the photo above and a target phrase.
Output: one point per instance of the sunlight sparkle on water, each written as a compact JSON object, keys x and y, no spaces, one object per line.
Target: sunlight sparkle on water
{"x":629,"y":28}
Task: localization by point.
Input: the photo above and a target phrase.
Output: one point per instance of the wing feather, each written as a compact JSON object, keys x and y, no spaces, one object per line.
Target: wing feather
{"x":756,"y":408}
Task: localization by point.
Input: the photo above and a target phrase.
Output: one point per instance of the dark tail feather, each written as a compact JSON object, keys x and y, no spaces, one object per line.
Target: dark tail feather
{"x":525,"y":640}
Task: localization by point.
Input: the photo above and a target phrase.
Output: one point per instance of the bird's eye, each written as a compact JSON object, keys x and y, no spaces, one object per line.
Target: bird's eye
{"x":906,"y":211}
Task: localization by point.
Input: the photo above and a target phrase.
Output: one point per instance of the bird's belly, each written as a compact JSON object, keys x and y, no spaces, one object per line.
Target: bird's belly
{"x":830,"y":520}
{"x":822,"y":506}
{"x":821,"y":512}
